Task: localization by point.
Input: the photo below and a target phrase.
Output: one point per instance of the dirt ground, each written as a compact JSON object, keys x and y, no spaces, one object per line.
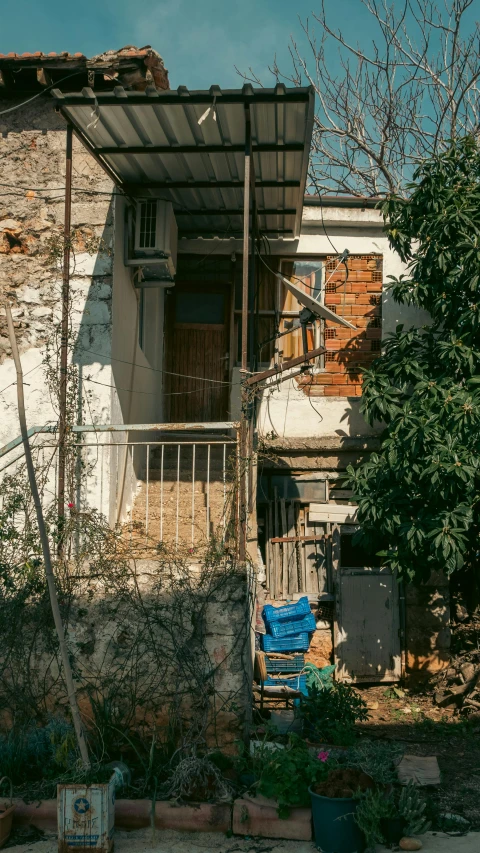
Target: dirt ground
{"x":182,"y":842}
{"x":410,"y":717}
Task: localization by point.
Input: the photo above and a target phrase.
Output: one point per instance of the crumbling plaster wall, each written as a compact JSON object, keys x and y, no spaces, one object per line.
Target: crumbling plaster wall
{"x":32,"y":152}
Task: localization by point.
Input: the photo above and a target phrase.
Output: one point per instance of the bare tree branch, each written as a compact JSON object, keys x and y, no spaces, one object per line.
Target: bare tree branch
{"x":391,"y":105}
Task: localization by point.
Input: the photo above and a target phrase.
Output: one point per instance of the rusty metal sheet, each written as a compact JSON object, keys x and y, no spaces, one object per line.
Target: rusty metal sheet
{"x":367,"y":635}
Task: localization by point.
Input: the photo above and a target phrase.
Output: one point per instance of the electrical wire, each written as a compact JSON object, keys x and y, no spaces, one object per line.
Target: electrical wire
{"x":149,"y":393}
{"x":25,"y":374}
{"x":160,"y":370}
{"x":39,"y":94}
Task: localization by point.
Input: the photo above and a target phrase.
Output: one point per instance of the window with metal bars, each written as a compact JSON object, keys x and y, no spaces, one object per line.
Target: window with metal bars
{"x":148,"y":224}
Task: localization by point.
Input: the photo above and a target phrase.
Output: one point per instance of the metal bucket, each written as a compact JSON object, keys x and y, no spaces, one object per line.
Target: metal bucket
{"x":86,"y":817}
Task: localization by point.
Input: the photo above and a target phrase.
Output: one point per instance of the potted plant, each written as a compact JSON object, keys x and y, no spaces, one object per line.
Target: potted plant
{"x":334,"y":803}
{"x":287,"y":775}
{"x":329,"y":714}
{"x":6,"y":814}
{"x":385,"y":816}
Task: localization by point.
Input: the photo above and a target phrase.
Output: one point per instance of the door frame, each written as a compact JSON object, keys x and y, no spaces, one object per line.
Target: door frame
{"x":194,"y":285}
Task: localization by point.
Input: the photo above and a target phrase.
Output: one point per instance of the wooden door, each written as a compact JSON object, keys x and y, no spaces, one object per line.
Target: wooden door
{"x":367,"y":622}
{"x":197,"y":386}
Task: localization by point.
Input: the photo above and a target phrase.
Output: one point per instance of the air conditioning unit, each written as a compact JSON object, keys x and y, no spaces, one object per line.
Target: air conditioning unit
{"x":153,"y":238}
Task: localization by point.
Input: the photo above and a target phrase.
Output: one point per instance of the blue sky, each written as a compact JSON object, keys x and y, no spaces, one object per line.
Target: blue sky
{"x":201,"y":41}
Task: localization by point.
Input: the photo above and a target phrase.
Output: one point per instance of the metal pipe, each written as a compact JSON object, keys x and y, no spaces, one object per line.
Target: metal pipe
{"x":193,"y":495}
{"x":161,"y":495}
{"x":208,"y":492}
{"x":178,"y":495}
{"x":242,"y":456}
{"x":64,"y":331}
{"x":224,"y":493}
{"x":146,"y":496}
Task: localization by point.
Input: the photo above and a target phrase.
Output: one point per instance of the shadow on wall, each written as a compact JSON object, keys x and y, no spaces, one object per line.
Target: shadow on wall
{"x":118,"y":383}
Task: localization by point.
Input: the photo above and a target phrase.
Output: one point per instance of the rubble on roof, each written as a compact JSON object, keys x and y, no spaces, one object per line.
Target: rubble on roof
{"x":132,"y":67}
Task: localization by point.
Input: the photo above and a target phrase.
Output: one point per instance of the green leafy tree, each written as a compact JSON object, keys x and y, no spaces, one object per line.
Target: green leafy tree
{"x":421,"y":493}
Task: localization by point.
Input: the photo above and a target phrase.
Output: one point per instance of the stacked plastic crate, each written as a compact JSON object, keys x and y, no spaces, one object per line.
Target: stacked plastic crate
{"x":288,"y":631}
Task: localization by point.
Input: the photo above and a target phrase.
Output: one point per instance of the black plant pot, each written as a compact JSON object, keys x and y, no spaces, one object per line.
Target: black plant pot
{"x":393,"y":829}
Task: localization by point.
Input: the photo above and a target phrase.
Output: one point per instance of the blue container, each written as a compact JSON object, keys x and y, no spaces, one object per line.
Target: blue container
{"x":297,"y":682}
{"x":294,"y":643}
{"x":295,"y":665}
{"x":288,"y":612}
{"x":334,"y":825}
{"x":284,"y":629}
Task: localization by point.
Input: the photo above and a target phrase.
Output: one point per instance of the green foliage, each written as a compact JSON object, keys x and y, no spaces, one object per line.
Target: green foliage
{"x":374,"y":805}
{"x":288,"y":773}
{"x":330,"y":715}
{"x":412,"y":806}
{"x":377,"y":759}
{"x":420,"y":495}
{"x":37,"y":753}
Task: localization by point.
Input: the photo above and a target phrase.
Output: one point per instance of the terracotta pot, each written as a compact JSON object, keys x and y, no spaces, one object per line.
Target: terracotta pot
{"x":6,"y":817}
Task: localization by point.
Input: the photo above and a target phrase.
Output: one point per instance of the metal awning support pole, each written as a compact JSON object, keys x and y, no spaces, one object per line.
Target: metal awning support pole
{"x":64,"y":330}
{"x":243,"y":454}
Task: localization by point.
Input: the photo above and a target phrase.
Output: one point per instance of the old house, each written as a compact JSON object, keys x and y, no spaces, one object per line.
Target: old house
{"x":199,"y":416}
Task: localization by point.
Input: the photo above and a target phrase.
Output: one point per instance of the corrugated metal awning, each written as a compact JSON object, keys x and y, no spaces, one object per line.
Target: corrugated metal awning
{"x":151,"y":143}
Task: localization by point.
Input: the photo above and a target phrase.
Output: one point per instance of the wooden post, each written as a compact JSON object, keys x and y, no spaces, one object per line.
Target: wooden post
{"x":52,"y":589}
{"x":64,"y":335}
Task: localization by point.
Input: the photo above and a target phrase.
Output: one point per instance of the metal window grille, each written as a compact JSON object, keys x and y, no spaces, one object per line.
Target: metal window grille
{"x":148,"y":224}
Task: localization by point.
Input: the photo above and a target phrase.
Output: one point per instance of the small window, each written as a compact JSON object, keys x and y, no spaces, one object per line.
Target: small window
{"x":202,"y":308}
{"x":290,"y":487}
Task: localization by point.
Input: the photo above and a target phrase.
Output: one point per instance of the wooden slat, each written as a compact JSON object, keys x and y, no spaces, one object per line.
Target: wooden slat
{"x":276,"y":549}
{"x":336,"y":513}
{"x":268,"y":548}
{"x":283,"y":520}
{"x":291,"y":551}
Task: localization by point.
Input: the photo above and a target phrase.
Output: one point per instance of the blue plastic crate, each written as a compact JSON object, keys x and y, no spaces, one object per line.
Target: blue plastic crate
{"x":296,"y":682}
{"x":288,"y":612}
{"x":295,"y":665}
{"x":285,"y":629}
{"x":292,"y":643}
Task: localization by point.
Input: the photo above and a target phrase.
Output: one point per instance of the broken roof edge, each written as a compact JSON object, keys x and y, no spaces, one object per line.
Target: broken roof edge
{"x":133,"y":67}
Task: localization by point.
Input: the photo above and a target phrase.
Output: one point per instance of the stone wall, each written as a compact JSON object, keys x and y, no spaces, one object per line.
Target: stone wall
{"x":428,"y":631}
{"x":32,"y":152}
